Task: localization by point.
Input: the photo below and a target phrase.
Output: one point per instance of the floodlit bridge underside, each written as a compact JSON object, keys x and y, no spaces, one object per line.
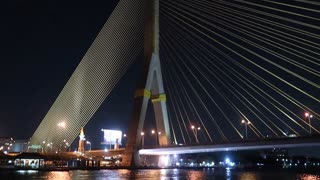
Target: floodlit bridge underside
{"x":237,"y":146}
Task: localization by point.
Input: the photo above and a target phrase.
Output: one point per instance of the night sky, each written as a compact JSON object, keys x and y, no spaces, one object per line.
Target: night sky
{"x":42,"y":42}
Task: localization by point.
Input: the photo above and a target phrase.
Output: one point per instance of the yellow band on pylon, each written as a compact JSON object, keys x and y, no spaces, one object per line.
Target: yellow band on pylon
{"x":143,"y":93}
{"x":159,"y":98}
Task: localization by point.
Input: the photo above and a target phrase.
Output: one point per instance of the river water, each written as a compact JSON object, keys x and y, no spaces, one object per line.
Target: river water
{"x":154,"y":174}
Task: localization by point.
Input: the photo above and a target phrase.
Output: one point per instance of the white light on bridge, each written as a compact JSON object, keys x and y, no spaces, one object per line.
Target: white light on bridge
{"x":164,"y":161}
{"x":227,"y":161}
{"x":175,"y":156}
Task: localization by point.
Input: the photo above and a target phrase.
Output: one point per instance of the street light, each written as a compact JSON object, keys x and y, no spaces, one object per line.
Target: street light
{"x":43,"y":144}
{"x":309,"y":116}
{"x":142,"y":139}
{"x":246,"y":123}
{"x":152,"y":133}
{"x":124,"y":139}
{"x":67,"y":146}
{"x":195,"y":132}
{"x":88,"y":142}
{"x":50,"y":146}
{"x":157,"y":136}
{"x":62,"y":124}
{"x":158,"y":140}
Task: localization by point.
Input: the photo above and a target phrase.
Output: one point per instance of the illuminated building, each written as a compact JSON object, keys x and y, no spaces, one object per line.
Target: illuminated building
{"x":6,"y":144}
{"x":111,"y":138}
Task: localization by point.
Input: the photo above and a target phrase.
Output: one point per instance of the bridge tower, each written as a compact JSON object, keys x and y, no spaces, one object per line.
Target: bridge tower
{"x":149,"y":88}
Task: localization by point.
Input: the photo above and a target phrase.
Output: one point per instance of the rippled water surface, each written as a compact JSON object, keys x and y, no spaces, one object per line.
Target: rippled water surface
{"x":156,"y":174}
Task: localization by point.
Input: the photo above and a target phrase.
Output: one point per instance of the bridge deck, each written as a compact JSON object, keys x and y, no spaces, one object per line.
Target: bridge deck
{"x":234,"y":146}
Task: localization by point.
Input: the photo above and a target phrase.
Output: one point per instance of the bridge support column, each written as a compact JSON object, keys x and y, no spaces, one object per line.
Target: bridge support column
{"x":150,"y":87}
{"x":161,"y":116}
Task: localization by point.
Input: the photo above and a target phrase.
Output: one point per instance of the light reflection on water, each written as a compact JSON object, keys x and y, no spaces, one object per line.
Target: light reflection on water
{"x":26,"y":171}
{"x":58,"y":175}
{"x":228,"y":174}
{"x":248,"y":176}
{"x":163,"y":174}
{"x":309,"y":177}
{"x":194,"y":174}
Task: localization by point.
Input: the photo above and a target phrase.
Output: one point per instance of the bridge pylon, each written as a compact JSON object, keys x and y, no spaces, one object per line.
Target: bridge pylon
{"x":150,"y":88}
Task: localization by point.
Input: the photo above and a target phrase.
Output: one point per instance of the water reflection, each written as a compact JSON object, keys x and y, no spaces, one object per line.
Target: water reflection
{"x":27,"y":171}
{"x":155,"y":174}
{"x":176,"y":172}
{"x":248,"y":176}
{"x":102,"y":174}
{"x":163,"y":174}
{"x":192,"y":174}
{"x":139,"y":174}
{"x":228,"y":174}
{"x":309,"y":177}
{"x":58,"y":175}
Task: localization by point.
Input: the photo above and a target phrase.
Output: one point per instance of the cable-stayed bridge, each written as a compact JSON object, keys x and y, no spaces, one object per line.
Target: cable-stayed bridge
{"x":232,"y":70}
